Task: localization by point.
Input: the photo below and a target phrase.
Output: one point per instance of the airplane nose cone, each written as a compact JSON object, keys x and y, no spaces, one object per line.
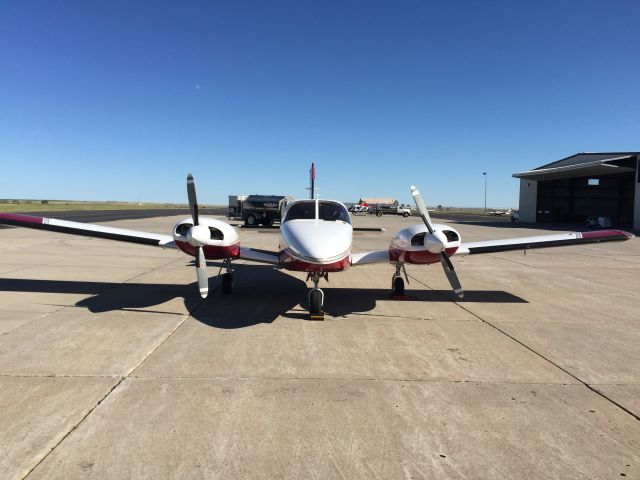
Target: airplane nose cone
{"x":319,"y":241}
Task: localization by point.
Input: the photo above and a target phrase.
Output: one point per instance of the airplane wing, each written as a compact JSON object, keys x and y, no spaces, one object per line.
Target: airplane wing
{"x":377,"y":256}
{"x":543,"y":241}
{"x":261,"y":256}
{"x":522,"y":243}
{"x":87,"y":230}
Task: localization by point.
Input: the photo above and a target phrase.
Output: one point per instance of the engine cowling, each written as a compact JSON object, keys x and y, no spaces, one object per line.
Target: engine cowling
{"x":416,"y":245}
{"x":218,"y":239}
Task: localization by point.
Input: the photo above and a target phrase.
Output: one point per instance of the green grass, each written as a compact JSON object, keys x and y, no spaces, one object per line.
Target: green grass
{"x":9,"y":206}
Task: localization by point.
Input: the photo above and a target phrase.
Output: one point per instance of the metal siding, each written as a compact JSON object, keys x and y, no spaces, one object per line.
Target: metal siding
{"x":528,"y":200}
{"x":636,"y":208}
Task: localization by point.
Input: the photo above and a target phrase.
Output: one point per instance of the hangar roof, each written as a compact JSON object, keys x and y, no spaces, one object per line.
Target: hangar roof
{"x":583,"y":164}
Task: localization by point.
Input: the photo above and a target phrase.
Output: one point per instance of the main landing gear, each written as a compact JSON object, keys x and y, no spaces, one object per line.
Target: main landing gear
{"x":316,"y":296}
{"x":227,"y":277}
{"x":397,"y":282}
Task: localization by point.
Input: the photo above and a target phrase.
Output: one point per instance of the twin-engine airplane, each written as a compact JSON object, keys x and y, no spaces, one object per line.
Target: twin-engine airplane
{"x":315,"y":237}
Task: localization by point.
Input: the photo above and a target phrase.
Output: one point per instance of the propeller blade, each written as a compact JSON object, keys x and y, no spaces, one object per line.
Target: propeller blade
{"x":451,"y":275}
{"x":201,"y":269}
{"x":193,"y":200}
{"x":421,"y":208}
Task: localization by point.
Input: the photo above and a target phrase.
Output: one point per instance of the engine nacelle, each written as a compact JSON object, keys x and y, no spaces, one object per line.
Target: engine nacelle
{"x":218,"y":239}
{"x":415,"y":244}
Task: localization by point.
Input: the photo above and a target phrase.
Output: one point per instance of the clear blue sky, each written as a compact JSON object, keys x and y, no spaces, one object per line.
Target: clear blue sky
{"x":120,"y":100}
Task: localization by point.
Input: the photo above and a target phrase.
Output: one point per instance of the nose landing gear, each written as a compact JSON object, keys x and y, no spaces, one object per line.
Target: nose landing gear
{"x":397,"y":282}
{"x":227,"y":277}
{"x":316,"y":295}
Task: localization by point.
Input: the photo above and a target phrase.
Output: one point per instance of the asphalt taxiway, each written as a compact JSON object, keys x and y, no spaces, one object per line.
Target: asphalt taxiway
{"x":111,"y":366}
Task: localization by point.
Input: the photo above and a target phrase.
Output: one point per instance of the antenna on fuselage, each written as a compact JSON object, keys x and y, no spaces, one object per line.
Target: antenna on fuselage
{"x":312,"y":184}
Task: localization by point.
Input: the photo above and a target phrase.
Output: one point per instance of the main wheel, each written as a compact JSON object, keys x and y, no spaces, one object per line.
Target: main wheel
{"x":378,"y":214}
{"x":405,"y":214}
{"x":315,"y":302}
{"x":250,"y":220}
{"x":398,"y":286}
{"x":227,"y":283}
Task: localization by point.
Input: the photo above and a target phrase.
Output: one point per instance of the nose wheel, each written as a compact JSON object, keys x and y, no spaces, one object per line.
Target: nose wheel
{"x":227,"y":277}
{"x":397,"y":282}
{"x":316,"y":297}
{"x":397,"y":287}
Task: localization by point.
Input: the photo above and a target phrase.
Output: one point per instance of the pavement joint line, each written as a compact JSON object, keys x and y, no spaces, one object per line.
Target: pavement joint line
{"x":336,"y":379}
{"x":627,"y":266}
{"x":532,"y":350}
{"x":121,"y":378}
{"x":124,"y":309}
{"x":45,"y":314}
{"x":567,"y":322}
{"x":115,"y":285}
{"x":497,"y":257}
{"x":55,"y":375}
{"x":374,"y":315}
{"x":355,"y":379}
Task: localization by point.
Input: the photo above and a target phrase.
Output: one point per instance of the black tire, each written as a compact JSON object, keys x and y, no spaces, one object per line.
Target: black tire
{"x":250,"y":220}
{"x":227,"y":283}
{"x":398,"y":286}
{"x":378,"y":214}
{"x":315,"y":302}
{"x":405,"y":214}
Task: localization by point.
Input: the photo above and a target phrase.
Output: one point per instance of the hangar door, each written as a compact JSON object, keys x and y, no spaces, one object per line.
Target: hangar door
{"x":572,"y":200}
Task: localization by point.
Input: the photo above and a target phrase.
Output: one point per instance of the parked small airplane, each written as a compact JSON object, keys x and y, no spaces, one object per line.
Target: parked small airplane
{"x":501,"y":213}
{"x":316,"y":238}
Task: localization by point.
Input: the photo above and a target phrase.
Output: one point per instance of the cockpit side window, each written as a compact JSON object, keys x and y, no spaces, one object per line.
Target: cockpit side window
{"x":328,"y":211}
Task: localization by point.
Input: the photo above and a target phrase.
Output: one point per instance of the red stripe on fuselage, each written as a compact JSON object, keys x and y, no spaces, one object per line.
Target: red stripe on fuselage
{"x":290,"y":262}
{"x":211,"y":252}
{"x":419,"y":257}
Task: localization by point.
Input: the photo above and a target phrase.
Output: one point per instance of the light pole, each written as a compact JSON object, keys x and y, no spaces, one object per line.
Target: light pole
{"x":484,"y":174}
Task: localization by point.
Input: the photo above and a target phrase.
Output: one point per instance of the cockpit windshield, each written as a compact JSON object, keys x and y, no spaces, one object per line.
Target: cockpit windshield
{"x":329,"y":211}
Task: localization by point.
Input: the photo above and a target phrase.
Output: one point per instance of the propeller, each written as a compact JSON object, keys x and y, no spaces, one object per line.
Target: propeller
{"x":194,"y":232}
{"x":437,"y":244}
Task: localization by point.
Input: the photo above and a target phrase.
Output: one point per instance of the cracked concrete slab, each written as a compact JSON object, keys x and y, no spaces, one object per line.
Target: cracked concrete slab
{"x":382,"y":348}
{"x":36,"y":413}
{"x":76,"y":342}
{"x":263,"y":428}
{"x":10,"y":319}
{"x":594,"y":353}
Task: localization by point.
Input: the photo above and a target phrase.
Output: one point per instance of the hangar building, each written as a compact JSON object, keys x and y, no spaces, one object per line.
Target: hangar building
{"x":583,"y":185}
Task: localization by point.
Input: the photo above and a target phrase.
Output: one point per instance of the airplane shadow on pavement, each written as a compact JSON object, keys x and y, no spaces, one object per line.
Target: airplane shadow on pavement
{"x":261,"y":294}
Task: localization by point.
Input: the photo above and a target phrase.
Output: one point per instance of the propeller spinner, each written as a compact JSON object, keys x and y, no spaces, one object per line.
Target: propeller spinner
{"x":440,"y":245}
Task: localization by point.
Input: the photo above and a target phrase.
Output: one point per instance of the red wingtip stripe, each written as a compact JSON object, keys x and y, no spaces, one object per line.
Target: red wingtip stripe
{"x":17,"y":217}
{"x":608,"y":234}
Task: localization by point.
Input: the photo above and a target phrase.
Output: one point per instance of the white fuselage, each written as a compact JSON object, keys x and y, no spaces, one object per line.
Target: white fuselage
{"x":321,"y":243}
